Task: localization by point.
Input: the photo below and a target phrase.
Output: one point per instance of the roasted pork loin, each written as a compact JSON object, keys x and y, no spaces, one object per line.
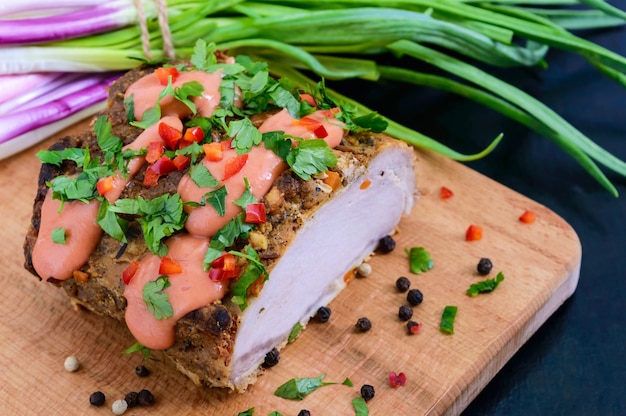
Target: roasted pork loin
{"x":313,"y":235}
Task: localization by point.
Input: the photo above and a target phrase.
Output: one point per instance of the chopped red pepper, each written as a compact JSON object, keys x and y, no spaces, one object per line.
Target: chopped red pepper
{"x":365,"y":184}
{"x":181,"y":162}
{"x":528,"y":217}
{"x":104,"y":185}
{"x":413,"y":327}
{"x":155,"y":150}
{"x":234,"y":165}
{"x":161,"y":167}
{"x":309,"y":99}
{"x":193,"y":134}
{"x":255,"y":213}
{"x":163,"y":74}
{"x":169,"y":266}
{"x":446,"y":193}
{"x":170,"y":135}
{"x":397,"y":380}
{"x":320,"y":132}
{"x":213,"y":151}
{"x":129,"y":272}
{"x":223,"y":268}
{"x":473,"y":233}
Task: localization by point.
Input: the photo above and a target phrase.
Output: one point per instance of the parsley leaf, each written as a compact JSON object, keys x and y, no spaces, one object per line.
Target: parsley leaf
{"x":217,"y":199}
{"x":275,"y":413}
{"x":419,"y":259}
{"x":348,"y":382}
{"x":202,"y":176}
{"x":56,"y":157}
{"x":189,"y":89}
{"x":245,"y":198}
{"x":137,"y":347}
{"x":295,"y":331}
{"x":159,"y":218}
{"x":278,"y":142}
{"x":485,"y":286}
{"x":225,"y":237}
{"x":360,"y":406}
{"x":156,"y":300}
{"x":58,"y":235}
{"x":203,"y":55}
{"x":299,"y":388}
{"x":244,"y":134}
{"x":447,"y":319}
{"x":112,"y":224}
{"x":254,"y":269}
{"x":248,"y":412}
{"x":311,"y":157}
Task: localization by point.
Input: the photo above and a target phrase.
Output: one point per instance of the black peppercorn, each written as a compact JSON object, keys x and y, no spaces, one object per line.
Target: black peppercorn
{"x":405,"y":312}
{"x":304,"y":412}
{"x":97,"y":398}
{"x":414,"y":297}
{"x":403,"y":284}
{"x":132,"y":399}
{"x":367,"y":392}
{"x":413,"y":327}
{"x":323,"y":314}
{"x":484,"y":266}
{"x":363,"y":324}
{"x":145,"y":398}
{"x":271,"y":358}
{"x":386,"y":244}
{"x":142,"y":371}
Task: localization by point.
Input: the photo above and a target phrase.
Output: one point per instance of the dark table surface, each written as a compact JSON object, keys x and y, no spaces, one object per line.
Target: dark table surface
{"x":575,"y":364}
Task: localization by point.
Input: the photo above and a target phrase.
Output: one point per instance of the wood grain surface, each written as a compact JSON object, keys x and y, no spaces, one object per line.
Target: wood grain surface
{"x":540,"y":262}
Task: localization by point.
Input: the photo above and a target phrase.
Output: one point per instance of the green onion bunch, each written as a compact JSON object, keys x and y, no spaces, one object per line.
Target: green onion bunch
{"x":343,"y":39}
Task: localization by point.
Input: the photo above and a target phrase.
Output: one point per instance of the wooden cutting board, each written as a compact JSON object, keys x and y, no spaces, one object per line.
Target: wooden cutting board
{"x":540,"y":262}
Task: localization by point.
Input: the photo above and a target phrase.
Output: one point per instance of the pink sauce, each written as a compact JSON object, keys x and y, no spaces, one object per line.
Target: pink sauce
{"x":189,"y":290}
{"x":146,"y":91}
{"x":82,"y":235}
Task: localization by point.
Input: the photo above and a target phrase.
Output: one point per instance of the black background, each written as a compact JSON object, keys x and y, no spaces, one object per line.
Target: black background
{"x":575,"y":364}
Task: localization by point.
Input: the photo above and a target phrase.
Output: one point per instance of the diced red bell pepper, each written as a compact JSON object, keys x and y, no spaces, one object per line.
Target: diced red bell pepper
{"x":155,"y":150}
{"x":234,"y":165}
{"x":104,"y":185}
{"x":223,"y":268}
{"x":474,"y":233}
{"x":255,"y":213}
{"x":193,"y":134}
{"x":446,"y":193}
{"x":309,"y":99}
{"x":170,"y":135}
{"x":181,"y":162}
{"x":129,"y":272}
{"x":161,"y":167}
{"x":313,"y":125}
{"x":169,"y":266}
{"x":320,"y":132}
{"x":213,"y":151}
{"x":527,"y":217}
{"x":163,"y":74}
{"x":397,"y":380}
{"x":227,"y":144}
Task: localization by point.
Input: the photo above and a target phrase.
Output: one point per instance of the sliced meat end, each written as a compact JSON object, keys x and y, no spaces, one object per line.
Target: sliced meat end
{"x":332,"y":241}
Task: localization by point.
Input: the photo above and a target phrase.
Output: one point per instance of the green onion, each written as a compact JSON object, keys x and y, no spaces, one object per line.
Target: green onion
{"x":344,"y":39}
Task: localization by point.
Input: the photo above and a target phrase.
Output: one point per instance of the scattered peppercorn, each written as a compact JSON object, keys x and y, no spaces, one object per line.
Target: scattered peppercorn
{"x":304,"y":412}
{"x":364,"y":270}
{"x":413,"y":327}
{"x":142,"y":371}
{"x":71,"y":364}
{"x":119,"y":407}
{"x":367,"y":392}
{"x":403,"y":284}
{"x":271,"y":358}
{"x":386,"y":244}
{"x":414,"y":297}
{"x":132,"y":399}
{"x":323,"y":314}
{"x":145,"y":398}
{"x":484,"y":266}
{"x":363,"y":324}
{"x":97,"y":398}
{"x":405,"y":312}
